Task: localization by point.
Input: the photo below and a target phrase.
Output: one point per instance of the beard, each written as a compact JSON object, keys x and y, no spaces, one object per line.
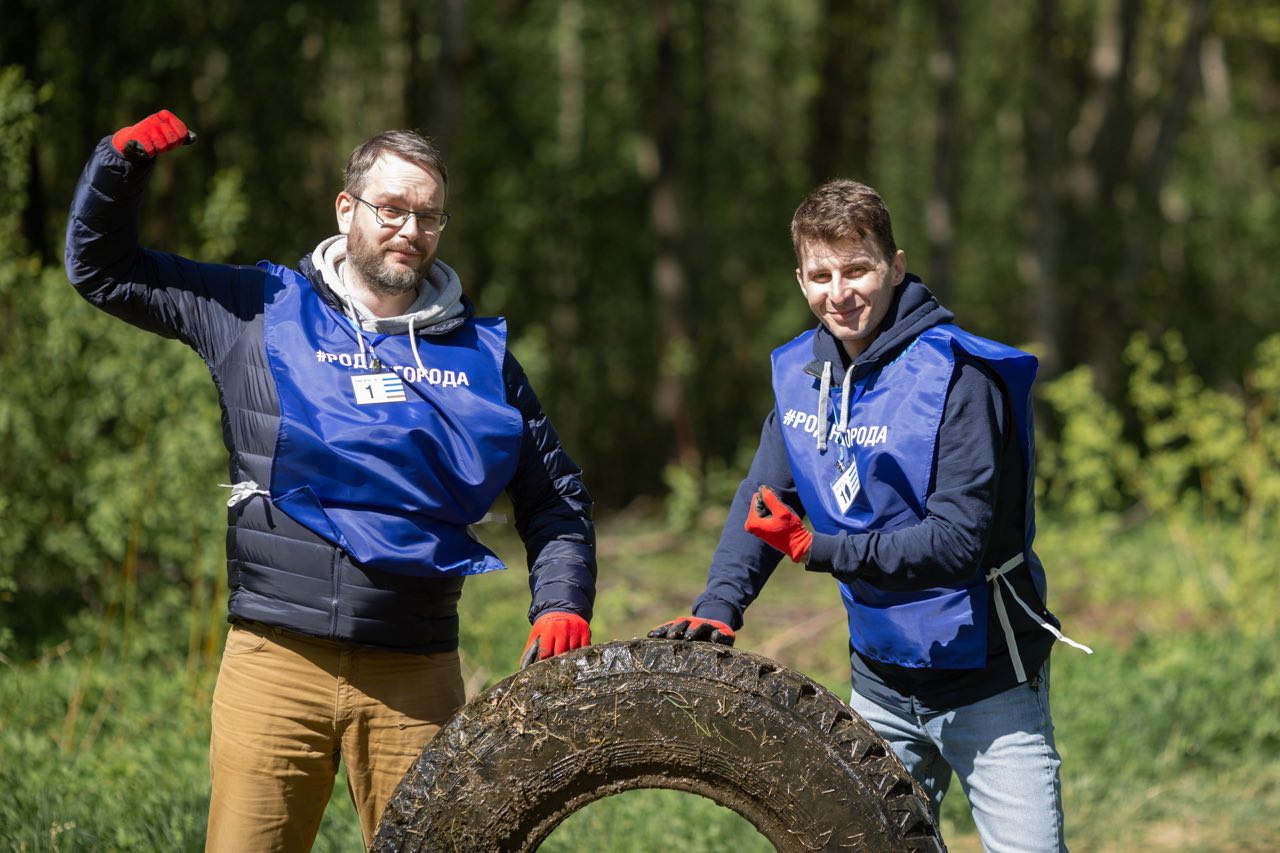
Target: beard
{"x":370,"y":263}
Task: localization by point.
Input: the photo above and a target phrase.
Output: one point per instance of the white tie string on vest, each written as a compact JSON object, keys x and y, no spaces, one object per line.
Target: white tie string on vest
{"x":997,"y":577}
{"x":244,"y":490}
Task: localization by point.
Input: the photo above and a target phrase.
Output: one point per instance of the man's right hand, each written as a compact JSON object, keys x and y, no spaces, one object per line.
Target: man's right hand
{"x":693,"y":628}
{"x":151,"y":137}
{"x":773,"y":521}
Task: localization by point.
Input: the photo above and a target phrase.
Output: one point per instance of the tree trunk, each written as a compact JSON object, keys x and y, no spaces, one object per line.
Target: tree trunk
{"x":394,"y":71}
{"x":572,"y":84}
{"x":670,"y":281}
{"x":940,"y":208}
{"x":1099,"y":141}
{"x":1151,"y":167}
{"x":453,"y":57}
{"x":1039,"y":261}
{"x":842,"y":120}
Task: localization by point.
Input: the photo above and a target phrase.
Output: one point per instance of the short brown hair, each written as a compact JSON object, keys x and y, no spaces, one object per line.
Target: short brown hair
{"x":839,"y":210}
{"x":408,"y":144}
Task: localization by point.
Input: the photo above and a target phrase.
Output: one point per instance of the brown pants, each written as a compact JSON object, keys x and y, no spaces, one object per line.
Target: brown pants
{"x":287,"y":707}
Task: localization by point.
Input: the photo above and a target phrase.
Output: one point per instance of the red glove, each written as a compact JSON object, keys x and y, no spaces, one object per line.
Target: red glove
{"x":693,"y":628}
{"x":151,"y":137}
{"x":555,"y":633}
{"x":774,"y":522}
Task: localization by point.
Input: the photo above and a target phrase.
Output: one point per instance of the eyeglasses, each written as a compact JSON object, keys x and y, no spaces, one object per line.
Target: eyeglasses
{"x":430,"y":221}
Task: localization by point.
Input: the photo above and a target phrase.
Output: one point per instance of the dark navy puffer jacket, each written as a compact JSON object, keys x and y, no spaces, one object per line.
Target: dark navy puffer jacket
{"x":279,"y":572}
{"x":976,"y":513}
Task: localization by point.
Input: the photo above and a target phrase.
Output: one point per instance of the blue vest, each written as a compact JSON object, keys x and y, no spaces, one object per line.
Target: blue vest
{"x":877,"y":475}
{"x":387,"y":461}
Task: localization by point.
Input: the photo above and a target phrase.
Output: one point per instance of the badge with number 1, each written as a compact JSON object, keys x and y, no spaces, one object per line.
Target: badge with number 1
{"x":847,"y":487}
{"x":378,"y":388}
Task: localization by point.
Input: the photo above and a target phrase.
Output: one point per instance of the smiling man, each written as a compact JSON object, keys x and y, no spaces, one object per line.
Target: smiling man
{"x":370,"y":417}
{"x":907,"y":442}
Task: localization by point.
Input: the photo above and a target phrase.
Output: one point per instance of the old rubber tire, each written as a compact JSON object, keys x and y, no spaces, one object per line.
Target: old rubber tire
{"x":732,"y":726}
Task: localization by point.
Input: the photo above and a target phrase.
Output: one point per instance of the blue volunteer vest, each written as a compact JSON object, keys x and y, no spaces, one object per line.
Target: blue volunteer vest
{"x":388,"y":462}
{"x":876,"y":476}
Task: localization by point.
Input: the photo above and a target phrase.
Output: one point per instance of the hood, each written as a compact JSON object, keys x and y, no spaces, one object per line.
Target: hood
{"x":913,"y":310}
{"x":439,"y":308}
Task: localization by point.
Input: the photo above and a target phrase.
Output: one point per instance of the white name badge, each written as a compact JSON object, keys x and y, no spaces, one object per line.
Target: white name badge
{"x":378,"y":388}
{"x":847,"y":487}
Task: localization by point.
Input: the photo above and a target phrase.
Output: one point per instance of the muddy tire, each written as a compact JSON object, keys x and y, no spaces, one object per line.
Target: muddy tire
{"x":732,"y":726}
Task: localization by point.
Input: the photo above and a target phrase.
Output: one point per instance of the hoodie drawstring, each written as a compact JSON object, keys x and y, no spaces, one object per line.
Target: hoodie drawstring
{"x":845,"y":387}
{"x":824,"y":399}
{"x":413,"y":345}
{"x":351,"y":312}
{"x":349,"y":308}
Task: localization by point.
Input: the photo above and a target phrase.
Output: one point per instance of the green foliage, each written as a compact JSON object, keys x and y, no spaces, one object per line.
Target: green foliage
{"x":1199,"y":452}
{"x":559,"y":119}
{"x":1085,"y":472}
{"x":1171,"y":732}
{"x":697,"y":497}
{"x":1262,"y":420}
{"x":110,"y":453}
{"x":223,"y":216}
{"x":1194,"y":436}
{"x":1197,"y":490}
{"x":101,"y":756}
{"x":17,"y":126}
{"x":18,"y":101}
{"x":1177,"y":682}
{"x":114,"y":468}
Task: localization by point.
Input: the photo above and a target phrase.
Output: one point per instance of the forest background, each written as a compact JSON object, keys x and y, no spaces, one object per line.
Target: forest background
{"x":1098,"y":182}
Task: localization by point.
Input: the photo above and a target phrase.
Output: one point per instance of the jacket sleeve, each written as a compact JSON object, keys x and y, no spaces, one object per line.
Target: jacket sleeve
{"x":200,"y":304}
{"x":552,"y":509}
{"x":950,"y":542}
{"x":742,"y":563}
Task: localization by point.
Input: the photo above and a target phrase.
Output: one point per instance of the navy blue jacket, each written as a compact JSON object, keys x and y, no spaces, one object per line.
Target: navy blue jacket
{"x":280,"y":573}
{"x":976,"y":512}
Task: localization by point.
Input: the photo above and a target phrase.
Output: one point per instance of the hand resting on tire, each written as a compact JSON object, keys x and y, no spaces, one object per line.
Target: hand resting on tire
{"x":693,"y":628}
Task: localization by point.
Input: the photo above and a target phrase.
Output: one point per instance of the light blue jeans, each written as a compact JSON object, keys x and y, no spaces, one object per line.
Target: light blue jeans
{"x":1002,"y":751}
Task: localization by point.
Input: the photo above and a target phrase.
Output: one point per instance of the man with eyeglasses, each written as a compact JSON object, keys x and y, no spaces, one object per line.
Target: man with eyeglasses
{"x":371,"y":417}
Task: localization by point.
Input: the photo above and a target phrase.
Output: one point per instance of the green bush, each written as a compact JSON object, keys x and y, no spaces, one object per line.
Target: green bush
{"x":1085,"y":473}
{"x":105,"y":432}
{"x":1199,"y":452}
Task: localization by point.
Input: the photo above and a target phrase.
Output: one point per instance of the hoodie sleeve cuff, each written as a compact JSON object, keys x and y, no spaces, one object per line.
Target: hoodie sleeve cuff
{"x":822,"y":553}
{"x":720,"y":611}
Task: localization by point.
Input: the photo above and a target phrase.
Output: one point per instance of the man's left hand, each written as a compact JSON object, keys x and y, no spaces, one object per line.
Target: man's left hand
{"x":693,"y":628}
{"x":774,"y":522}
{"x":555,"y":633}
